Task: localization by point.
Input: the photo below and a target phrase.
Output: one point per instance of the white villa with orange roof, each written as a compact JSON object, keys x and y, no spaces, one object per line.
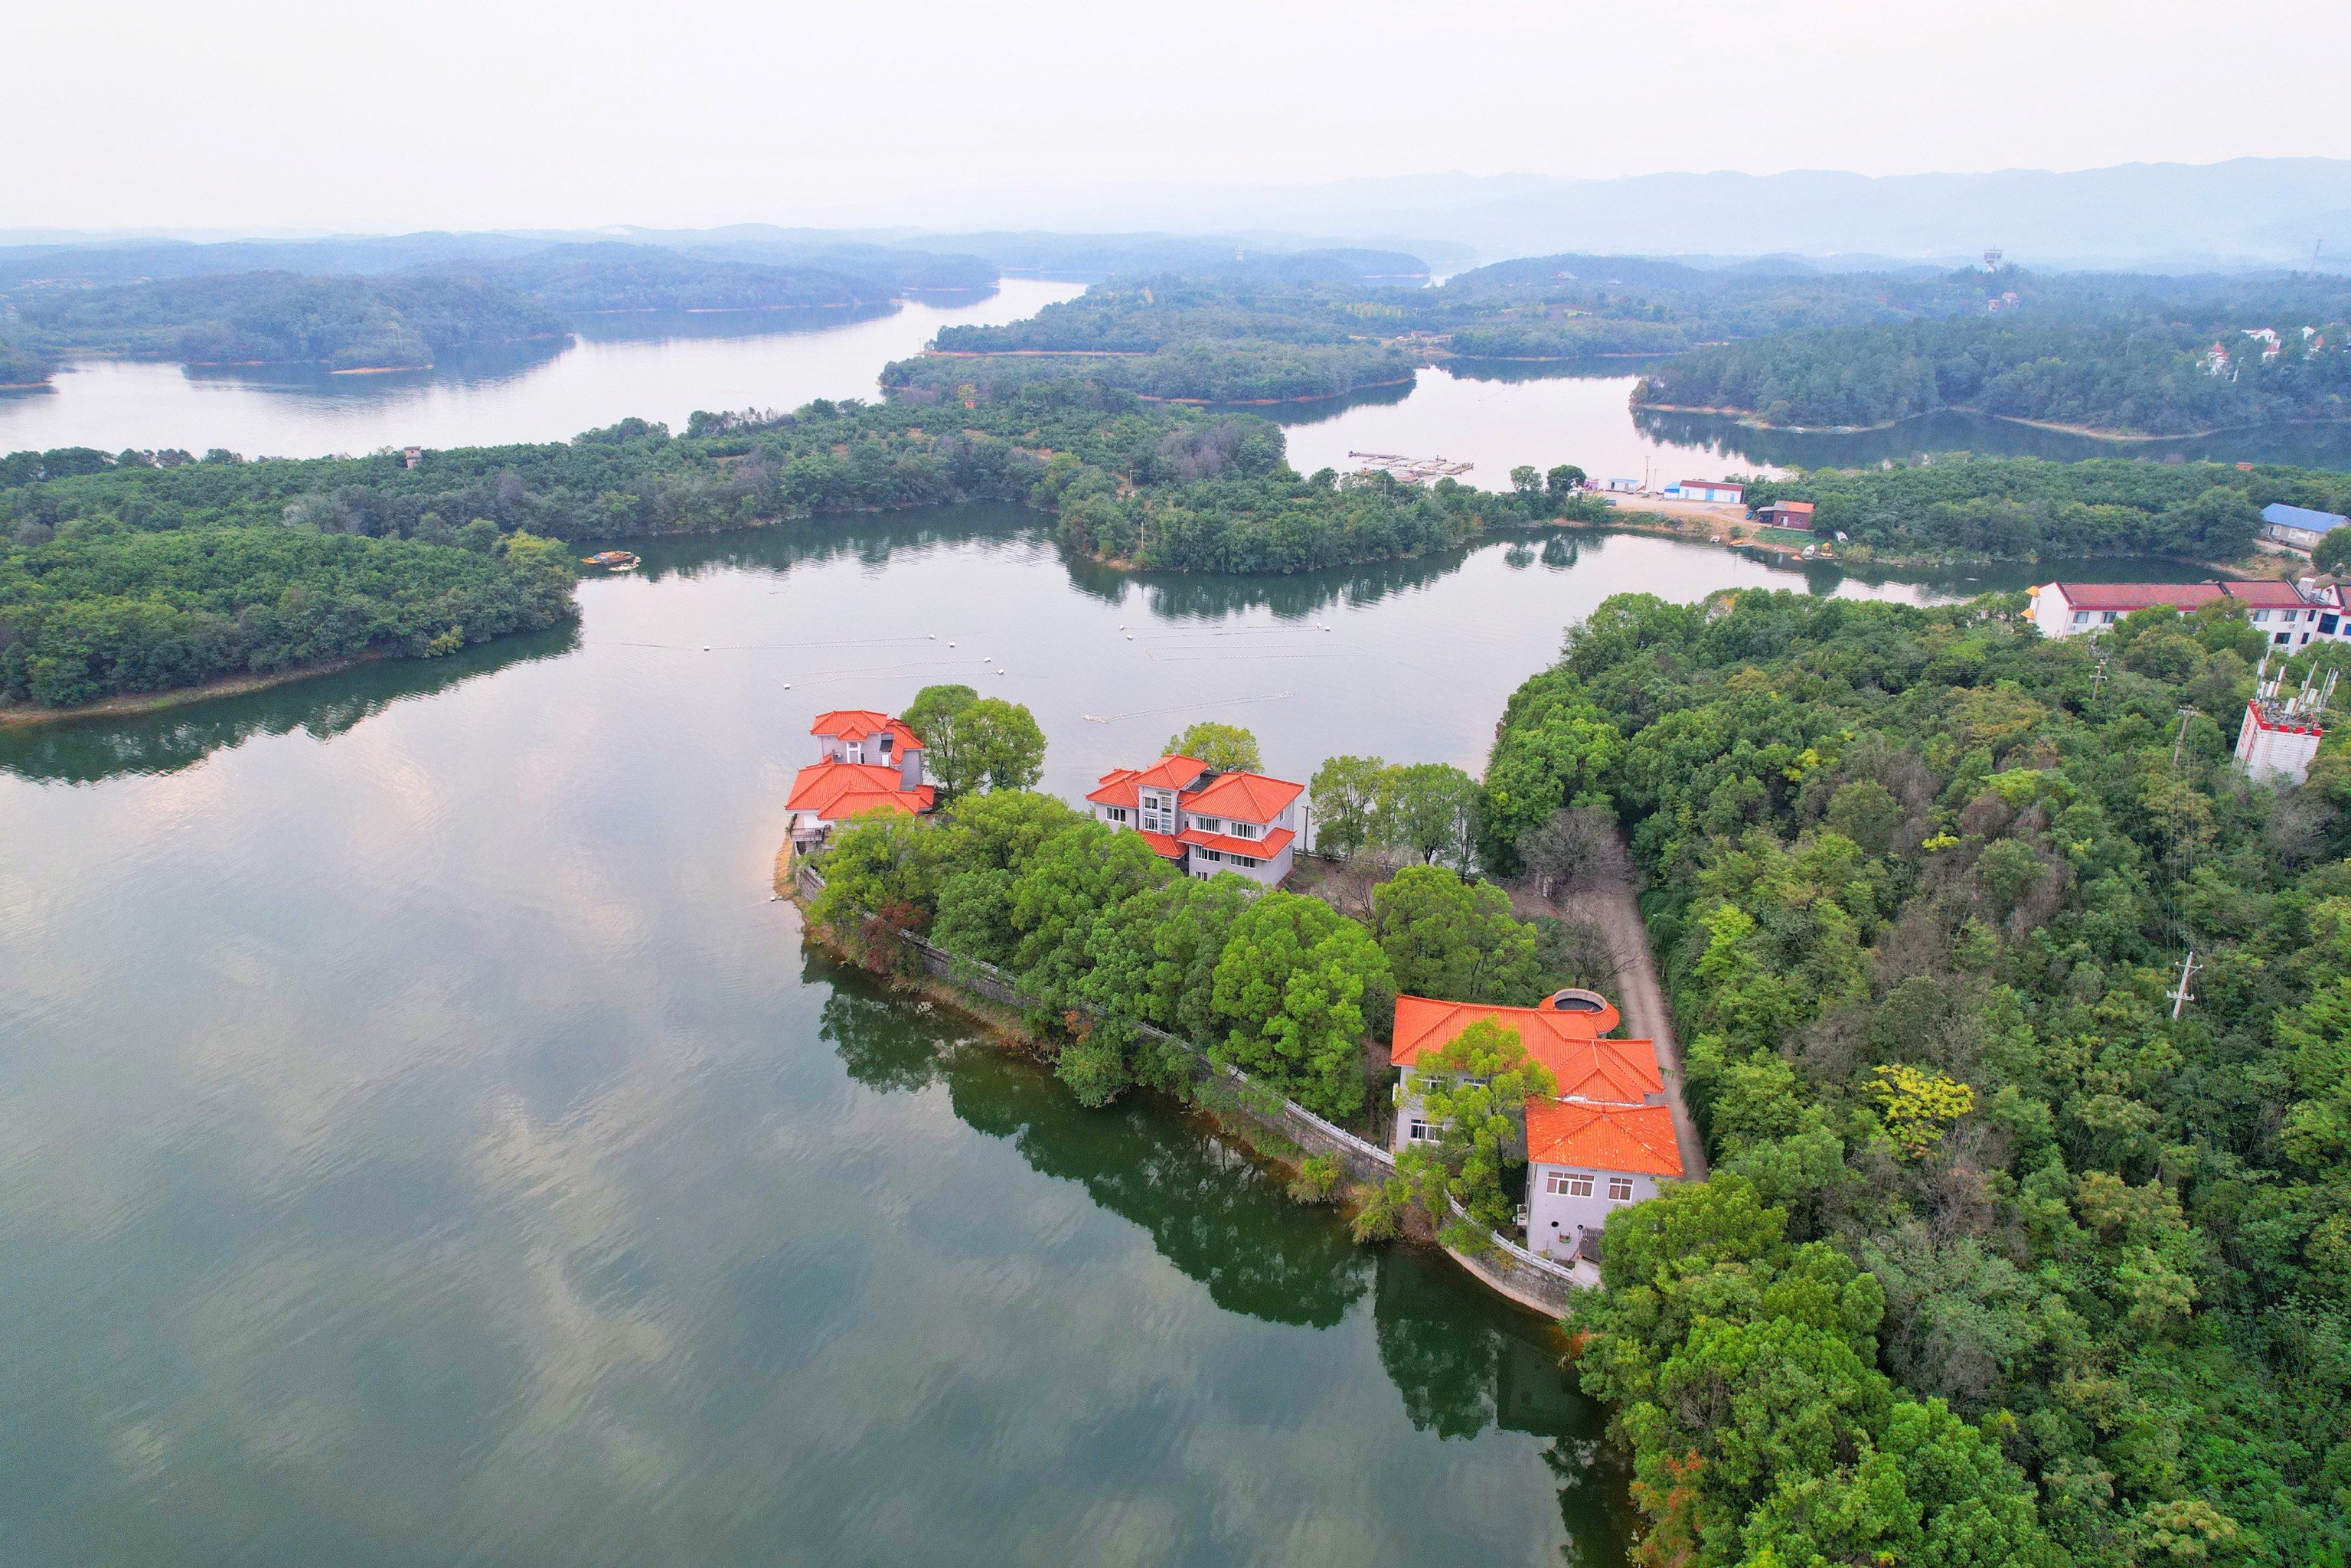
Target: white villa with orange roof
{"x":1204,"y":821}
{"x":1606,"y":1141}
{"x":869,"y":762}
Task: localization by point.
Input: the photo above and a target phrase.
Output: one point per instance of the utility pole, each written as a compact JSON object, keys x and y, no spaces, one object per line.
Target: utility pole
{"x":2185,"y":714}
{"x":2182,"y":997}
{"x":2097,"y":679}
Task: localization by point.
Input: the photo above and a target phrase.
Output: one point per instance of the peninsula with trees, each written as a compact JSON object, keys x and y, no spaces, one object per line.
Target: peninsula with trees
{"x":1150,"y":487}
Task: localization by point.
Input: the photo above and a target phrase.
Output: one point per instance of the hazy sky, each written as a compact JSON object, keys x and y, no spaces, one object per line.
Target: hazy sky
{"x":435,"y":113}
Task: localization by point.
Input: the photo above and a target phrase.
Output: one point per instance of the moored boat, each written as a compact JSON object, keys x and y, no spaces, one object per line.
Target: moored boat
{"x":611,"y":561}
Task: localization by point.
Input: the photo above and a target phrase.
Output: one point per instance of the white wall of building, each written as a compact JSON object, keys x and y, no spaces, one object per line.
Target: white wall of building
{"x":2272,"y":756}
{"x":1555,"y":1220}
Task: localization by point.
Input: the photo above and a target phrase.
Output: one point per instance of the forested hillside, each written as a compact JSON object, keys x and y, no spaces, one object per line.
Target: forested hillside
{"x":110,"y":614}
{"x":2020,"y":509}
{"x":1274,"y":335}
{"x":2142,"y":376}
{"x":346,"y":323}
{"x":2001,"y":1262}
{"x":1176,"y":490}
{"x":406,"y":319}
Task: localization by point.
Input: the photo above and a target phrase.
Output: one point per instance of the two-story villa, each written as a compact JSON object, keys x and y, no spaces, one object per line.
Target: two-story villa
{"x":1204,"y":821}
{"x":868,"y":762}
{"x":1605,"y":1141}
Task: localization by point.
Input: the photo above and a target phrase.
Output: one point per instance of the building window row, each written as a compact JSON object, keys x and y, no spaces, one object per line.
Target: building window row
{"x":1575,"y":1184}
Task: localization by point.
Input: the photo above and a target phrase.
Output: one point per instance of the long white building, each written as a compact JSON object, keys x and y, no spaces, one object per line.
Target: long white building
{"x":2290,"y":616}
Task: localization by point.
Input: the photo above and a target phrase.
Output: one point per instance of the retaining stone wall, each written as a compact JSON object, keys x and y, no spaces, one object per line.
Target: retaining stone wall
{"x":1529,"y":1278}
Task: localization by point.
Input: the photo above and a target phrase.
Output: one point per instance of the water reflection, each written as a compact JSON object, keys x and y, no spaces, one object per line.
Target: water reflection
{"x":1463,"y":1363}
{"x":654,"y":365}
{"x":865,"y":607}
{"x":666,"y":326}
{"x":81,"y":751}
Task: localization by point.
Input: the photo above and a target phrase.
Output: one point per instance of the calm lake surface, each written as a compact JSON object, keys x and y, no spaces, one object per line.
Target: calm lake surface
{"x":426,"y":1142}
{"x":664,"y":365}
{"x":655,"y":365}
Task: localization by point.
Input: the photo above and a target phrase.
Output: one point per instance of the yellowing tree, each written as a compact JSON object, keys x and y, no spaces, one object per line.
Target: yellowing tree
{"x":1917,"y":1106}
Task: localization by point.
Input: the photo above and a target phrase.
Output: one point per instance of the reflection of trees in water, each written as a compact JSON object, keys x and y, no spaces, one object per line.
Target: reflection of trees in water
{"x":1608,"y":370}
{"x":662,"y":326}
{"x":869,"y":537}
{"x":1209,"y":1210}
{"x":1460,"y":1369}
{"x":873,"y":538}
{"x":82,"y":751}
{"x":2307,"y":445}
{"x":479,"y":365}
{"x":1461,"y":1362}
{"x":1177,"y":595}
{"x":1318,"y":409}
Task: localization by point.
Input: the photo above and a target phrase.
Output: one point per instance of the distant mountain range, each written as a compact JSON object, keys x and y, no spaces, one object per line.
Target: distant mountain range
{"x":2249,"y":212}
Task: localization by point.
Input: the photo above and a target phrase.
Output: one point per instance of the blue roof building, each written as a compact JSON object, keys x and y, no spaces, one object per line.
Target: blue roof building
{"x":2299,"y":525}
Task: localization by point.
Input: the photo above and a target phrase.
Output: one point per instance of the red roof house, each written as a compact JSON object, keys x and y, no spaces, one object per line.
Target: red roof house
{"x":1637,"y":1140}
{"x":869,"y":762}
{"x":1204,"y":821}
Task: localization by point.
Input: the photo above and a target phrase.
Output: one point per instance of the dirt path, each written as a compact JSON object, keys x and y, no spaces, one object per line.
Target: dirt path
{"x":1639,"y":995}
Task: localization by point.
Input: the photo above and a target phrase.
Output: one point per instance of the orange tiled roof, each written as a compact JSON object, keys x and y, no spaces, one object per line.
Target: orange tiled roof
{"x":1118,"y":786}
{"x":1251,"y":797}
{"x":1615,"y":1072}
{"x":1162,"y":846}
{"x":1635,"y":1139}
{"x":1263,"y":848}
{"x":833,"y":790}
{"x":857,"y":722}
{"x":1549,"y":1034}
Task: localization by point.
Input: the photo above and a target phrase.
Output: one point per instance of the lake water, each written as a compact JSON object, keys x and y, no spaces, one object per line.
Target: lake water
{"x":660,"y":366}
{"x":1496,"y":424}
{"x":665,"y":365}
{"x":426,"y":1142}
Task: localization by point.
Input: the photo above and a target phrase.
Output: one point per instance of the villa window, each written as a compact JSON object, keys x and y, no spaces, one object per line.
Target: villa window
{"x":1244,"y":830}
{"x":2111,"y":616}
{"x":1620,"y":1189}
{"x":855,"y":753}
{"x":1207,"y":824}
{"x":882,"y":747}
{"x":2260,"y":615}
{"x":1114,"y":814}
{"x":1555,"y":1183}
{"x":1579,"y":1184}
{"x":1418,"y":1131}
{"x":2081,"y":618}
{"x":1198,"y":853}
{"x":1242,"y":860}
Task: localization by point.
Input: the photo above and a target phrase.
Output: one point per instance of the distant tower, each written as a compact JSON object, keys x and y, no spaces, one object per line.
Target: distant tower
{"x":2281,"y":734}
{"x":1991,"y":260}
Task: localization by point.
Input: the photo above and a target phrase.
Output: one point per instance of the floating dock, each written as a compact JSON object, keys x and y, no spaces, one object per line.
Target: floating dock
{"x":1411,"y":470}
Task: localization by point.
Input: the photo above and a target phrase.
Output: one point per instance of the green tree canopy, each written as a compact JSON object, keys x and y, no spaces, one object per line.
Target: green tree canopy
{"x":1431,"y":809}
{"x":1346,"y":795}
{"x":1292,"y":986}
{"x":1453,"y":939}
{"x":1223,"y":747}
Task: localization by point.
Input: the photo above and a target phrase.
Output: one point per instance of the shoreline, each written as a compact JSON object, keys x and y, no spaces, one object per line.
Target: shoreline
{"x":1746,"y":418}
{"x":21,"y":715}
{"x":1253,"y":1141}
